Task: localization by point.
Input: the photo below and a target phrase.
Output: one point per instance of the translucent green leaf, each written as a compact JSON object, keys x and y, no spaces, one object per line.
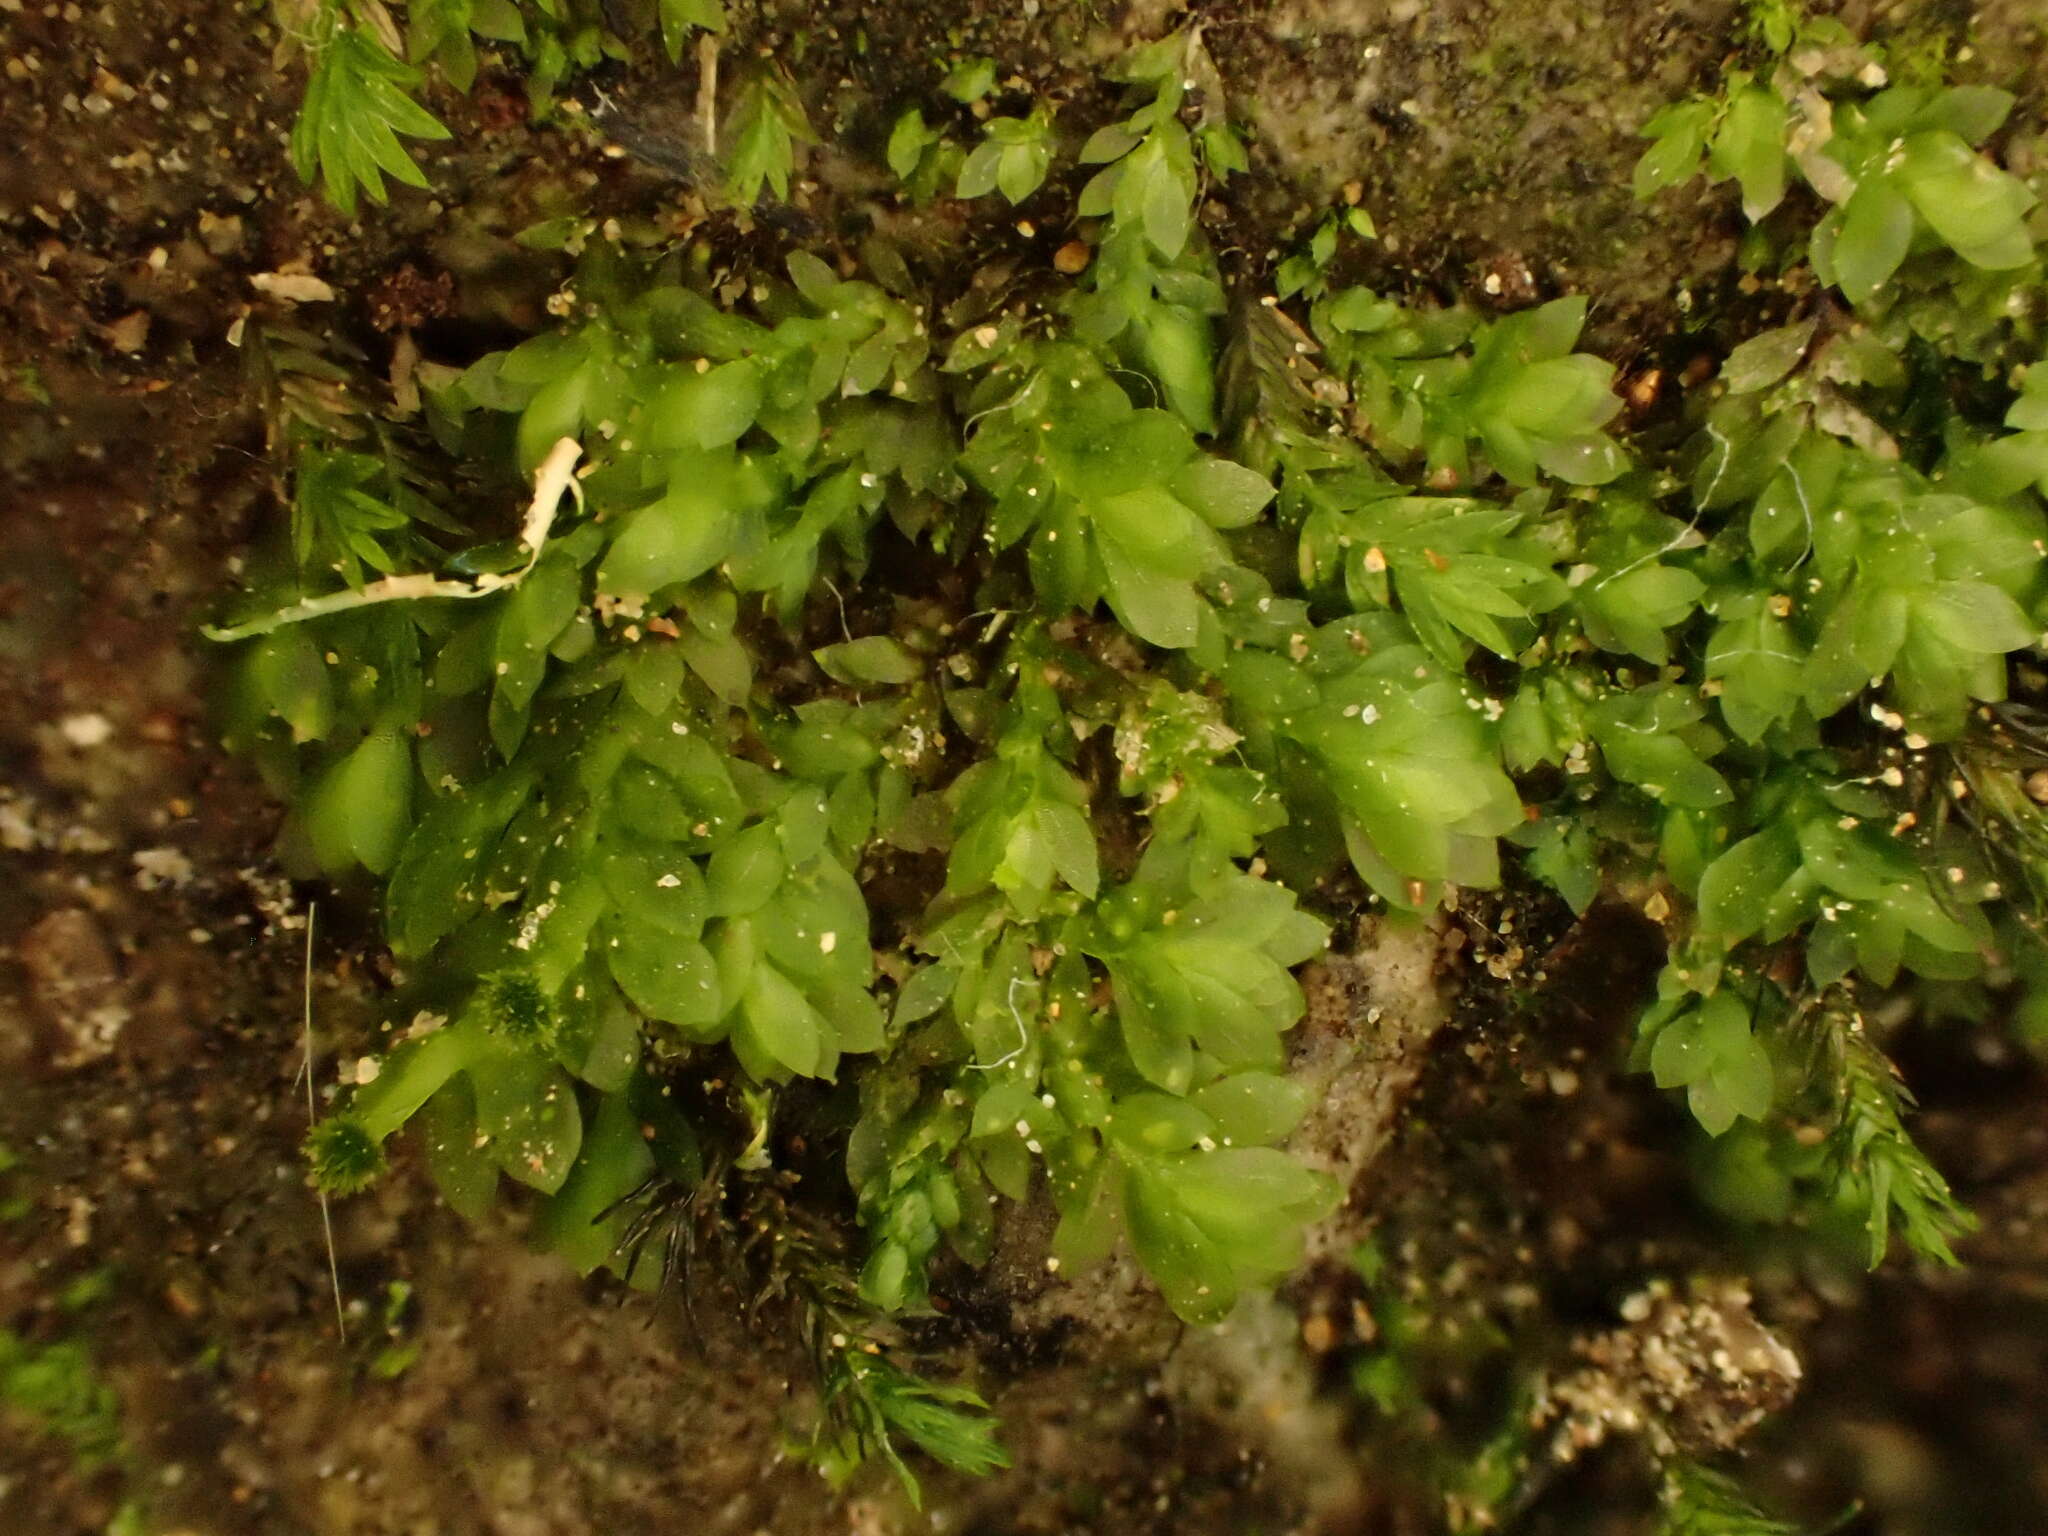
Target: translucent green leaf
{"x":907,"y":143}
{"x":1750,"y":146}
{"x":979,"y":170}
{"x":1974,"y":206}
{"x":722,"y":661}
{"x":1587,"y":459}
{"x":1132,"y":450}
{"x":680,"y":17}
{"x":535,"y":613}
{"x":1736,"y":890}
{"x":1165,"y":209}
{"x":654,"y":887}
{"x":440,"y":30}
{"x":1252,"y":1109}
{"x":1098,"y":196}
{"x":437,"y":884}
{"x":462,"y":1171}
{"x":1753,"y":658}
{"x":924,"y":994}
{"x":1972,"y":112}
{"x":1069,"y":842}
{"x":1845,"y":859}
{"x":359,"y":812}
{"x":970,"y":80}
{"x":783,"y":1024}
{"x":1635,"y":607}
{"x":672,"y":540}
{"x":1112,"y":141}
{"x":1154,"y":529}
{"x":1680,"y":135}
{"x":651,"y":803}
{"x":498,"y":20}
{"x":1548,"y":331}
{"x":1177,"y":344}
{"x":1558,"y":397}
{"x":557,"y":409}
{"x":873,"y":660}
{"x":1877,"y":228}
{"x":1763,"y":360}
{"x":527,"y":1109}
{"x":288,"y":674}
{"x":1664,"y":767}
{"x":1164,"y":610}
{"x":1021,"y":170}
{"x":1187,"y":1263}
{"x":1160,"y":1122}
{"x":583,"y":1222}
{"x":706,"y":409}
{"x":667,"y":977}
{"x":1975,"y":616}
{"x":743,"y":874}
{"x":1222,"y":493}
{"x":1253,"y":1201}
{"x":1156,"y":1014}
{"x":598,"y":1033}
{"x":1566,"y":855}
{"x":1711,"y":1053}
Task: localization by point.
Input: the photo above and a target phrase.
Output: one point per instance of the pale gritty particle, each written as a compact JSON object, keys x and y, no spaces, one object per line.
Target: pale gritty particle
{"x":161,"y":866}
{"x":87,"y":730}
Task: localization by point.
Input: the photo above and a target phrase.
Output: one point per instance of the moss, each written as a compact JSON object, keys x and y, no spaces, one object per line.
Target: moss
{"x":625,"y":776}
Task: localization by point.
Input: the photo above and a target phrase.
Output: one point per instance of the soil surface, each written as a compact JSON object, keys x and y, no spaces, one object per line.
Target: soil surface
{"x":156,"y":980}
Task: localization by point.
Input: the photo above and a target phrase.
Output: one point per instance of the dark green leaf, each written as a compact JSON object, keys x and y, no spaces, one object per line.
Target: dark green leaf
{"x":873,"y":660}
{"x":1763,"y":360}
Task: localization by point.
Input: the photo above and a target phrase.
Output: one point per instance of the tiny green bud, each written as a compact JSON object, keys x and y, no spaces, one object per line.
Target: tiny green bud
{"x":513,"y":1005}
{"x":346,"y":1159}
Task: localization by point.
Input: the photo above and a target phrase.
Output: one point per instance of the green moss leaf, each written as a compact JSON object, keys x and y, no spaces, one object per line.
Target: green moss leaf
{"x":1763,"y":360}
{"x":1876,"y":230}
{"x":667,"y":977}
{"x":872,"y":661}
{"x":708,"y":409}
{"x":527,"y":1108}
{"x":672,"y":540}
{"x":1735,"y":892}
{"x":1975,"y":207}
{"x":679,"y":18}
{"x":1223,"y":494}
{"x":1679,"y":135}
{"x":359,"y":812}
{"x":286,"y":672}
{"x":1711,"y":1053}
{"x":655,"y":887}
{"x":743,"y":874}
{"x":462,"y":1170}
{"x":583,"y":1222}
{"x":1750,"y":146}
{"x":1252,"y":1109}
{"x":1156,"y":1013}
{"x":782,"y":1026}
